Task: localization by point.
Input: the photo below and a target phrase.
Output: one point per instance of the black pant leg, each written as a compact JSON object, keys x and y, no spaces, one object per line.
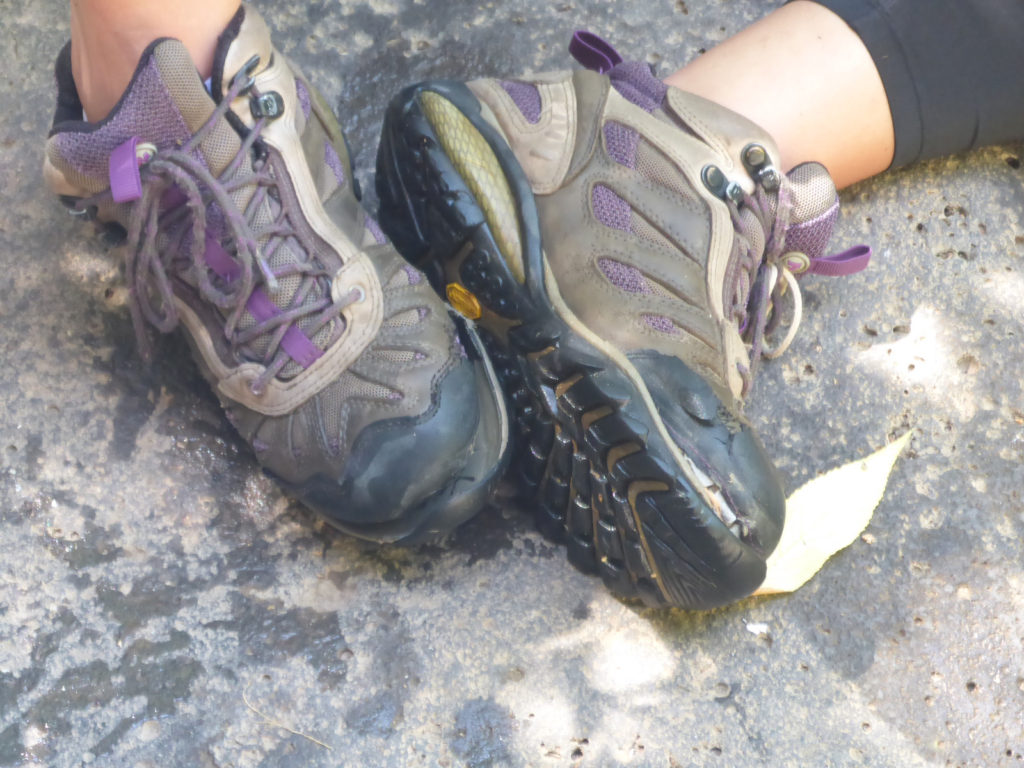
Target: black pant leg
{"x":953,"y":70}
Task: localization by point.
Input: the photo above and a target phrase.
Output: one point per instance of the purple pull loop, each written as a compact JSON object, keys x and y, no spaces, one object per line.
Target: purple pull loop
{"x":125,"y":180}
{"x":848,"y":262}
{"x":593,"y":52}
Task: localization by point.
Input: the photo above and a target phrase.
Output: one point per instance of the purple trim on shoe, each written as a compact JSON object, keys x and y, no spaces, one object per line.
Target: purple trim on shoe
{"x":811,"y":237}
{"x":125,"y":179}
{"x":333,"y":162}
{"x":414,"y":275}
{"x":526,"y":98}
{"x":633,"y":79}
{"x":624,"y":277}
{"x":296,"y":343}
{"x":610,"y":209}
{"x":593,"y":52}
{"x":375,"y":230}
{"x":145,"y":110}
{"x":303,"y":95}
{"x":848,"y":262}
{"x":621,"y":143}
{"x":661,"y":323}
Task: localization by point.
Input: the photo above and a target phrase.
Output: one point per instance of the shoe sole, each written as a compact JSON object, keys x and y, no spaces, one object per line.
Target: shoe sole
{"x":431,"y":520}
{"x":595,"y":456}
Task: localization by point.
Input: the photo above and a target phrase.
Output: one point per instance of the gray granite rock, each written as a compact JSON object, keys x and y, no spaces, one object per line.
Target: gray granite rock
{"x":163,"y":604}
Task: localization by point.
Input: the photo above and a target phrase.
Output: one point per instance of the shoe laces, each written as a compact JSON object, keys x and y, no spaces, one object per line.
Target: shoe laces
{"x":763,"y":277}
{"x":757,"y":286}
{"x":174,"y":230}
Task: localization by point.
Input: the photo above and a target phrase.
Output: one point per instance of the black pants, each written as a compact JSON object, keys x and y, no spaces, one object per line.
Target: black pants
{"x":953,"y":70}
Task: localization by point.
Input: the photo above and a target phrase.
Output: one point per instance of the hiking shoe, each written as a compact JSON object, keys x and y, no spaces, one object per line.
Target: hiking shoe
{"x":330,"y":354}
{"x":623,"y":244}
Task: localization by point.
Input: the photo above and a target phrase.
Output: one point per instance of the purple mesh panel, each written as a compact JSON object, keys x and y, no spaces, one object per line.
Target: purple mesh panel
{"x":334,"y":162}
{"x":610,"y":209}
{"x":622,"y":276}
{"x":812,"y":237}
{"x":526,"y":98}
{"x":375,"y":230}
{"x":415,"y":276}
{"x":633,"y":79}
{"x":661,"y":323}
{"x":303,"y":94}
{"x":148,"y":111}
{"x":622,"y":143}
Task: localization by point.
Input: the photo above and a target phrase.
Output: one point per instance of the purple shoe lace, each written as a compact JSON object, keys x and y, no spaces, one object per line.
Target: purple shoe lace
{"x":174,"y":194}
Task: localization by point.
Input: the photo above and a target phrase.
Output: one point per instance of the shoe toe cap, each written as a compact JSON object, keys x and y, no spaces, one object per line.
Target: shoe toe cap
{"x":413,"y":479}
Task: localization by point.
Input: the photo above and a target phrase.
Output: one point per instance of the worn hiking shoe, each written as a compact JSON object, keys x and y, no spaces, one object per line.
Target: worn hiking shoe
{"x":623,"y":244}
{"x":331,"y":355}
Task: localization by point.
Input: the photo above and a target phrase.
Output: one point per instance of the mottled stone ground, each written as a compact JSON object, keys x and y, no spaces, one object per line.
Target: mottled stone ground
{"x":162,"y":604}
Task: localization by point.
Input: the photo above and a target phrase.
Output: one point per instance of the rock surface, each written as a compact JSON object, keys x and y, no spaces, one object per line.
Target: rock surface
{"x":162,"y":604}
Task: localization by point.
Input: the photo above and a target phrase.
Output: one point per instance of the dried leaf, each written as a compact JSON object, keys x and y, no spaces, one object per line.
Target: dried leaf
{"x":826,"y":515}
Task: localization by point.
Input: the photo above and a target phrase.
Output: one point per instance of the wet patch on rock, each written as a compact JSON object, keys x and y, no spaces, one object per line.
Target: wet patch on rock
{"x":483,"y":734}
{"x":375,"y":716}
{"x":267,"y":631}
{"x":395,"y":670}
{"x":93,"y":546}
{"x":163,"y":591}
{"x":486,"y":535}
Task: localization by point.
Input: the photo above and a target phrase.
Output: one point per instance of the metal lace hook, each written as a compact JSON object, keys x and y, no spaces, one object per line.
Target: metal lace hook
{"x":247,"y":71}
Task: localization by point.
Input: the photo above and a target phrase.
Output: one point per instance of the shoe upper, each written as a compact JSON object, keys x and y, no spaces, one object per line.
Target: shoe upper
{"x":670,"y":234}
{"x":656,"y":209}
{"x":332,"y":356}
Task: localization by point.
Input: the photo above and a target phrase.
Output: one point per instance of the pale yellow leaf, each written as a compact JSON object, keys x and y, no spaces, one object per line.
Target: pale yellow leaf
{"x":826,"y":515}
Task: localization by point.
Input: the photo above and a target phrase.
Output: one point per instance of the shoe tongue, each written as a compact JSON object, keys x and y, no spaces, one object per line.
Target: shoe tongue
{"x":189,"y":96}
{"x":184,"y":86}
{"x":815,"y":210}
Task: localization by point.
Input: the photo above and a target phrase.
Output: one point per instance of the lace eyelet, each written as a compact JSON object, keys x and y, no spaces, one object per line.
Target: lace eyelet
{"x":267,"y":105}
{"x":145,"y":152}
{"x":796,"y":262}
{"x":360,"y":294}
{"x":714,"y":180}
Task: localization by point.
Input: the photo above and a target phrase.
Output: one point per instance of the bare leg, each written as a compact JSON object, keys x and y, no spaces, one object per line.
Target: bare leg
{"x":108,"y":36}
{"x":805,"y":77}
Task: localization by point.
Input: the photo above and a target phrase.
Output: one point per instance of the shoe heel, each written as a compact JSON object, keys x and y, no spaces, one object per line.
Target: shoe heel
{"x":456,"y":208}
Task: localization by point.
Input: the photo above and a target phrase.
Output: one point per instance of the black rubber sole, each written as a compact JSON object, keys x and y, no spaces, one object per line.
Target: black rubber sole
{"x":431,"y":520}
{"x":590,"y":457}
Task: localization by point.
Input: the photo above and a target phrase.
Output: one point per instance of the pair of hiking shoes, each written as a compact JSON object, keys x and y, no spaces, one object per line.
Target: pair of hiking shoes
{"x":616,"y":251}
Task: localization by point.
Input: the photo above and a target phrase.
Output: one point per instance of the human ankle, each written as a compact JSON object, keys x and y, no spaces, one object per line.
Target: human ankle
{"x":109,"y":36}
